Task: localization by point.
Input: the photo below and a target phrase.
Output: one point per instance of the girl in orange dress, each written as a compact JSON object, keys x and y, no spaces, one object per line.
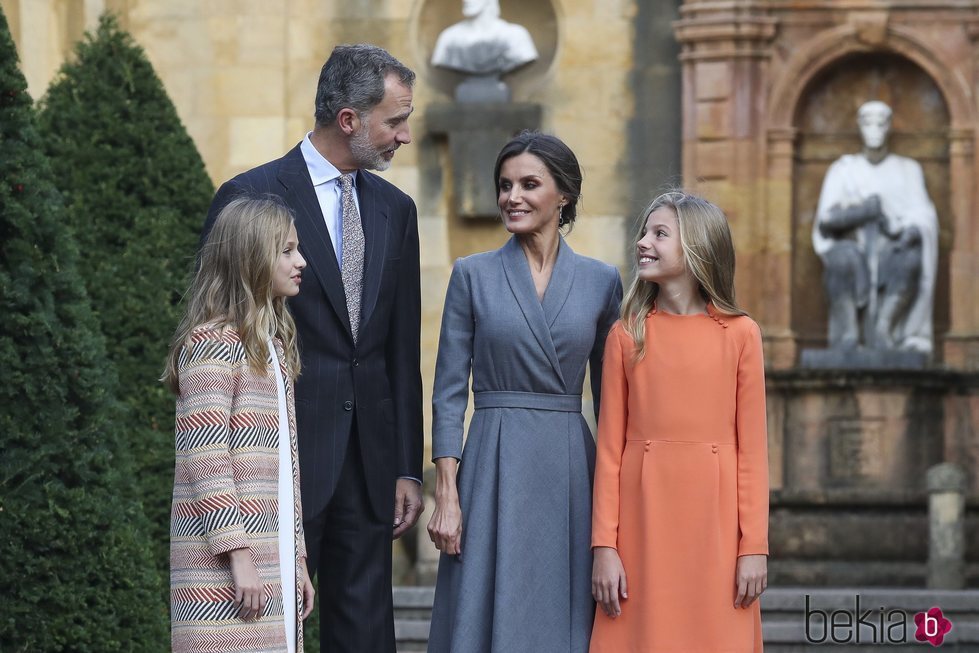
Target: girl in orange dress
{"x":680,"y":520}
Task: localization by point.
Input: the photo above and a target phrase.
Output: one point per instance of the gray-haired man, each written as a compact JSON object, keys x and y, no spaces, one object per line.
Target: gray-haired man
{"x":358,"y":400}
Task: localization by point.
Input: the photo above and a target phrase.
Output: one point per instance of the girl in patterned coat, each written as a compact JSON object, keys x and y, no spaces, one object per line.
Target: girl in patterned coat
{"x":238,"y":579}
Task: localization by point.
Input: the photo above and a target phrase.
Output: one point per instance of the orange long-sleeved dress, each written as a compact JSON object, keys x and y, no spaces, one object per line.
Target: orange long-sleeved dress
{"x":681,"y":482}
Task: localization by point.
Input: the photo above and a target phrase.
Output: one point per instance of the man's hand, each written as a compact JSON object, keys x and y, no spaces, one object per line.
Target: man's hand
{"x":308,"y":591}
{"x":408,"y":505}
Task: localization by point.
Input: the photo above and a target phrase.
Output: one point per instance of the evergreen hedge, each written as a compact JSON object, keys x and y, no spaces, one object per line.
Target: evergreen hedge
{"x":74,"y":566}
{"x":137,"y":194}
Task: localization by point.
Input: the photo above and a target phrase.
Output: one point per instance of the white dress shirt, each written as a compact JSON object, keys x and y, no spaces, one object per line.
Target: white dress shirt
{"x":326,"y":183}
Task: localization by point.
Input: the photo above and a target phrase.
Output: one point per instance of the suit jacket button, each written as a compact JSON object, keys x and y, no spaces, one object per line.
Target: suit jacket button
{"x":356,"y":363}
{"x":348,"y":405}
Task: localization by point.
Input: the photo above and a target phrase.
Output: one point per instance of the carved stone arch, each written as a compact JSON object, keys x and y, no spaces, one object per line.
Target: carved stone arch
{"x":949,"y":76}
{"x":840,"y":42}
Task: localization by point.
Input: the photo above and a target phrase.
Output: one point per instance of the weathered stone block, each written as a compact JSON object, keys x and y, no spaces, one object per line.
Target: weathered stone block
{"x":476,"y":132}
{"x":255,"y":140}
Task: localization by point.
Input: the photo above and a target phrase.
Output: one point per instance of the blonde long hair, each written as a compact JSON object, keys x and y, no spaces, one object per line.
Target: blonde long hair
{"x":708,"y":252}
{"x":232,"y":288}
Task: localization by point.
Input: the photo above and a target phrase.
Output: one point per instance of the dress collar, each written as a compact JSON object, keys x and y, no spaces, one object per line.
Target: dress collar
{"x":711,"y":313}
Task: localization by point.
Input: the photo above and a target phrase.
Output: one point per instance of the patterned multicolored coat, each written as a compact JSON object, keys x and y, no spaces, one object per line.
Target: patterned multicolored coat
{"x":225,"y":497}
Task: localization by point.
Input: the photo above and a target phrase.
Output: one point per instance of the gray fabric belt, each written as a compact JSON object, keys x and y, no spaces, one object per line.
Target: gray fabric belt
{"x":535,"y":400}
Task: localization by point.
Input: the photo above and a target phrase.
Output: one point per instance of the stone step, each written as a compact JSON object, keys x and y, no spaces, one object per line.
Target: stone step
{"x":412,"y":615}
{"x":784,"y":618}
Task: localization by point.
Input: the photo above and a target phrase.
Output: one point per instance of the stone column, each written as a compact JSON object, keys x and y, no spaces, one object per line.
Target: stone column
{"x":654,"y":129}
{"x":946,"y":527}
{"x":780,"y":340}
{"x":726,"y":48}
{"x":961,"y":343}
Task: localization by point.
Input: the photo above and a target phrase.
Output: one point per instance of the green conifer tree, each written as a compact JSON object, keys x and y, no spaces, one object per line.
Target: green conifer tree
{"x":137,"y":194}
{"x":74,"y":566}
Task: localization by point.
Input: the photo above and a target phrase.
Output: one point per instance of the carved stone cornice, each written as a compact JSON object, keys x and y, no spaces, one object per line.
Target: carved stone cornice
{"x":961,"y":142}
{"x":727,"y":28}
{"x":782,"y":134}
{"x":961,"y":134}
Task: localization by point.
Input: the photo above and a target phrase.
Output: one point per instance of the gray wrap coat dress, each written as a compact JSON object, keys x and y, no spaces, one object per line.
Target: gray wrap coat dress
{"x":523,"y":581}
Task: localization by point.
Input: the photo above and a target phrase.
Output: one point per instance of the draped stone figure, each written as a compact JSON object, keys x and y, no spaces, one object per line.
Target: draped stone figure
{"x":876,"y":232}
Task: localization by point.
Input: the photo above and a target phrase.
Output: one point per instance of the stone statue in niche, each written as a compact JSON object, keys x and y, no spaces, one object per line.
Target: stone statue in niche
{"x":876,"y":232}
{"x":484,"y":46}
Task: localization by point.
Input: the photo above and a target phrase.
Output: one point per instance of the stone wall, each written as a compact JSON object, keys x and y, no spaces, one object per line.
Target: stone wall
{"x":849,"y":452}
{"x":755,"y":77}
{"x":242,"y":74}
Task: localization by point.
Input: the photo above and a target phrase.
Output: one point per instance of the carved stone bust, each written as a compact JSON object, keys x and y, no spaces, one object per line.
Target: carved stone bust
{"x":483,"y":43}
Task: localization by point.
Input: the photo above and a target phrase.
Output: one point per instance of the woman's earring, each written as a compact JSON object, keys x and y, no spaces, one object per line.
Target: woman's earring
{"x":560,"y":216}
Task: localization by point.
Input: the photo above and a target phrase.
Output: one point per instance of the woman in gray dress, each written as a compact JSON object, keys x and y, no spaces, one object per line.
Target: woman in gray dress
{"x":513,"y":518}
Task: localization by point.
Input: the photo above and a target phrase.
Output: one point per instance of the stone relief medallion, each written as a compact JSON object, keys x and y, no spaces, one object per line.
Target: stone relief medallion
{"x":856,"y":450}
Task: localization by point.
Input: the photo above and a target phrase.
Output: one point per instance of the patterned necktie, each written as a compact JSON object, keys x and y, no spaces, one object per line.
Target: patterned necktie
{"x":352,"y":255}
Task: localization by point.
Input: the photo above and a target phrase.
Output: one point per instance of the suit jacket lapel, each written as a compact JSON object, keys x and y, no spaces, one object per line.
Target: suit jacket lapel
{"x":374,"y":218}
{"x":559,"y":287}
{"x":517,"y":271}
{"x":314,"y":238}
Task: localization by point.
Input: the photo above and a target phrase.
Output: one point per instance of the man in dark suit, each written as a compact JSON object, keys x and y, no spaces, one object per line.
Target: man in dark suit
{"x":358,"y":400}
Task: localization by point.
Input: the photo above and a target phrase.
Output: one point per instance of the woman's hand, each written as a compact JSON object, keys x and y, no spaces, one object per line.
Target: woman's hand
{"x":608,"y":580}
{"x":751,"y":579}
{"x":249,"y":589}
{"x":308,"y":592}
{"x":445,"y":526}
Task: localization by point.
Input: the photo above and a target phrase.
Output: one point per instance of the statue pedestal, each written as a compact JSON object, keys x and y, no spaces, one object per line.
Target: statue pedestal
{"x":482,"y":89}
{"x":476,"y":131}
{"x":849,"y":454}
{"x":862,"y":359}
